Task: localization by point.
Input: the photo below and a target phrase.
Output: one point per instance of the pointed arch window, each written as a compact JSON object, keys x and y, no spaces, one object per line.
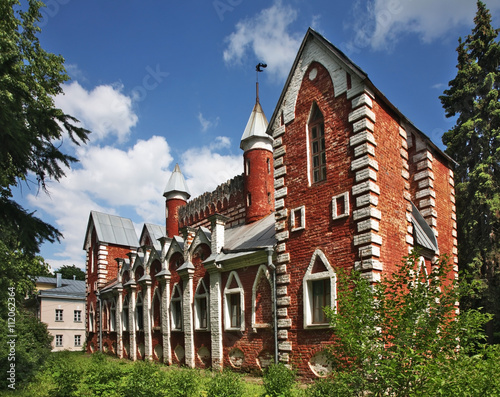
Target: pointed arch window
{"x":112,"y":316}
{"x":201,"y":299}
{"x":319,"y":289}
{"x":156,"y":309}
{"x":176,"y":308}
{"x":234,"y":304}
{"x":317,"y":146}
{"x":262,"y":299}
{"x":105,"y":316}
{"x":91,"y":318}
{"x":125,"y":313}
{"x":139,"y":313}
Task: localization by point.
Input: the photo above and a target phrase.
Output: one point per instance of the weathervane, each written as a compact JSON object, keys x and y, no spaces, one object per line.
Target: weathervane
{"x":259,"y":68}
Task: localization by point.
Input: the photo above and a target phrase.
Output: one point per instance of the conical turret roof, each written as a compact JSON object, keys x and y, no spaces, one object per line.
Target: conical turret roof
{"x":176,"y":185}
{"x":256,"y":127}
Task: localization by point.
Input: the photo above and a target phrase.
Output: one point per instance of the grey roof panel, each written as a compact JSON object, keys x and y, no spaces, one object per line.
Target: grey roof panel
{"x":258,"y":234}
{"x":114,"y":229}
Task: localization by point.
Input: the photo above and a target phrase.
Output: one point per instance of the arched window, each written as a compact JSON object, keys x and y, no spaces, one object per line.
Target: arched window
{"x":125,"y":314}
{"x":112,"y":317}
{"x":91,"y":318}
{"x":139,"y":313}
{"x":201,"y":298}
{"x":156,"y":309}
{"x":234,"y":304}
{"x":317,"y":147}
{"x":105,"y":316}
{"x":262,"y":311}
{"x":176,"y":308}
{"x":319,"y":289}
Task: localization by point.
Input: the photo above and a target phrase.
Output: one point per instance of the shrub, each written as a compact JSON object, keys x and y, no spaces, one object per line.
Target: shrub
{"x":182,"y":382}
{"x":144,"y":379}
{"x":103,"y":377}
{"x":225,"y":384}
{"x":279,"y":380}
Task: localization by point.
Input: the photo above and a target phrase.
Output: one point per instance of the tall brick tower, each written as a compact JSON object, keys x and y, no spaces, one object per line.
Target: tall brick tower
{"x":176,"y":195}
{"x":258,"y":176}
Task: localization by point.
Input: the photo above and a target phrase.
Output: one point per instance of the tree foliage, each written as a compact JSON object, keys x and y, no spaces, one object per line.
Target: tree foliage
{"x":31,"y":127}
{"x":67,"y":272}
{"x":392,"y":336}
{"x":474,"y":142}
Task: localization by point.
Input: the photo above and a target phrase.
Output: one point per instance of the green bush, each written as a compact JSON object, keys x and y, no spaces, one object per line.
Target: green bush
{"x":144,"y":379}
{"x":103,"y":377}
{"x":182,"y":382}
{"x":225,"y":384}
{"x":279,"y":380}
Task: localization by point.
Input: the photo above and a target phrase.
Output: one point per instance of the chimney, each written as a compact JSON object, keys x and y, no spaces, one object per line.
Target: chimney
{"x":218,"y":228}
{"x":58,"y":280}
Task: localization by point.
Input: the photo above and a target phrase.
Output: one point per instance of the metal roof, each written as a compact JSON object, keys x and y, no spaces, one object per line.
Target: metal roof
{"x":155,"y":232}
{"x":422,"y":232}
{"x":114,"y":229}
{"x":259,"y":234}
{"x":69,"y":288}
{"x":177,"y":183}
{"x":256,"y":125}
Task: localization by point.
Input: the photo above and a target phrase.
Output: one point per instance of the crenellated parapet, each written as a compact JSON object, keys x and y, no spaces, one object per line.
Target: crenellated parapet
{"x":227,"y":199}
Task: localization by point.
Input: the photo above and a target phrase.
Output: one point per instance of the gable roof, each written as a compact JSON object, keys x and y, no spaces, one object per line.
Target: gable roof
{"x":354,"y":69}
{"x":155,"y":232}
{"x":111,"y":229}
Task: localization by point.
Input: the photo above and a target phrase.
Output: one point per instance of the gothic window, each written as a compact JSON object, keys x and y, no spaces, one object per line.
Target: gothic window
{"x":112,"y":316}
{"x":319,"y":289}
{"x":105,"y":316}
{"x":234,"y":304}
{"x":201,"y":299}
{"x":91,"y":318}
{"x":125,"y":312}
{"x":176,"y":308}
{"x":317,"y":145}
{"x":139,"y":313}
{"x":262,"y":299}
{"x":156,"y":309}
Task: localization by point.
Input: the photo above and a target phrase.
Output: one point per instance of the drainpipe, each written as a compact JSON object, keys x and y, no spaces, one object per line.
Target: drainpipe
{"x":271,"y":266}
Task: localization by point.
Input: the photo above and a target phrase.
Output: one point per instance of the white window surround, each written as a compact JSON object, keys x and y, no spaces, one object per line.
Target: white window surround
{"x":125,"y":314}
{"x":227,"y":293}
{"x":139,"y":313}
{"x":91,"y":318}
{"x":263,"y":272}
{"x":335,"y":210}
{"x":156,"y":295}
{"x":298,"y":224}
{"x":175,"y":305}
{"x":308,"y":279}
{"x":112,"y":317}
{"x":200,"y":296}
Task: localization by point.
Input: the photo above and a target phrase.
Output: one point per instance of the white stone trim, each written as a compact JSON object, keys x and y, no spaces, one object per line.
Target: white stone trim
{"x":229,"y":291}
{"x":307,"y":290}
{"x":197,"y":298}
{"x":175,"y":287}
{"x":263,"y":272}
{"x":344,"y":196}
{"x":294,"y":227}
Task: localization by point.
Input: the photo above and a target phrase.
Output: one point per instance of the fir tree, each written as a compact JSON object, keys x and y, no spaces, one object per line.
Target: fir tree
{"x":474,"y":143}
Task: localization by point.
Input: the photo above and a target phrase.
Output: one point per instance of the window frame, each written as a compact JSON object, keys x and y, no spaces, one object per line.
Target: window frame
{"x":345,"y":197}
{"x":263,"y":272}
{"x":176,"y":309}
{"x":293,"y":219}
{"x":125,"y":313}
{"x":308,"y":290}
{"x":198,"y":298}
{"x":139,"y":312}
{"x":229,"y":294}
{"x":77,"y":316}
{"x":59,"y":315}
{"x":316,"y":121}
{"x":58,"y":341}
{"x":78,"y":340}
{"x":112,"y":316}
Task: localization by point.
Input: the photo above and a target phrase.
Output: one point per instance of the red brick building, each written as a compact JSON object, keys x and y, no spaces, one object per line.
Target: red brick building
{"x":338,"y":178}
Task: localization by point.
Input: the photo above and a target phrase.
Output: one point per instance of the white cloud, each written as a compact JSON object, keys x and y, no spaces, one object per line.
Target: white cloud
{"x":206,"y":124}
{"x":105,"y":110}
{"x":380,"y":23}
{"x":109,"y":180}
{"x":267,"y":36}
{"x":205,"y":169}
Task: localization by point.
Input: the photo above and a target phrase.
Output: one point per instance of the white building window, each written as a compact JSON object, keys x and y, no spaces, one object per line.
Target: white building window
{"x":234,"y":304}
{"x":176,"y":308}
{"x":78,"y":340}
{"x":77,"y":316}
{"x":340,"y":206}
{"x":319,"y":289}
{"x":59,"y":315}
{"x":201,"y":299}
{"x":298,"y":218}
{"x":59,"y":340}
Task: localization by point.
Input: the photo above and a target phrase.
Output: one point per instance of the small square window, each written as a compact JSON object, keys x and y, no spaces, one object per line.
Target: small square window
{"x":298,"y":218}
{"x":340,"y":206}
{"x":59,"y":315}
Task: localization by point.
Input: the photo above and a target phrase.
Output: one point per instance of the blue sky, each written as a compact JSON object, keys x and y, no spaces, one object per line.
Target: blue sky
{"x":166,"y":82}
